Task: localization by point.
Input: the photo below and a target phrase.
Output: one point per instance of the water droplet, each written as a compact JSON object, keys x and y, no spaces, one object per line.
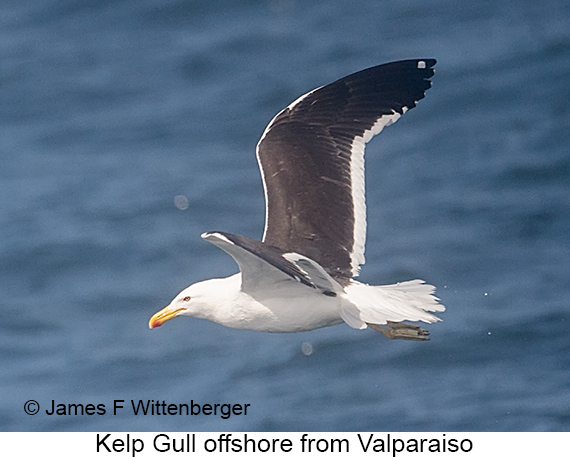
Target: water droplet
{"x":181,"y":202}
{"x":307,"y":348}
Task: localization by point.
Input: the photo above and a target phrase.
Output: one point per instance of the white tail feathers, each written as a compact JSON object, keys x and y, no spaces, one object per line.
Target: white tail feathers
{"x":405,"y":301}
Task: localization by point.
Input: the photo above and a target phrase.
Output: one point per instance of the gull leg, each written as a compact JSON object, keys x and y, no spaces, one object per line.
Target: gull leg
{"x":401,"y":331}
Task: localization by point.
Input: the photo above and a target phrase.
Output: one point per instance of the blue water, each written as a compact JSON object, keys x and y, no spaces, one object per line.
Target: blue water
{"x":111,"y":109}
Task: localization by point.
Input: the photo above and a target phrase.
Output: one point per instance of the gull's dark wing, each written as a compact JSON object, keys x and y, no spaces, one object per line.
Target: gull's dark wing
{"x":311,"y":157}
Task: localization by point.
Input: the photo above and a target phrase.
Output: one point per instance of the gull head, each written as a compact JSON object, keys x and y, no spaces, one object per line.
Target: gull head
{"x":200,"y":300}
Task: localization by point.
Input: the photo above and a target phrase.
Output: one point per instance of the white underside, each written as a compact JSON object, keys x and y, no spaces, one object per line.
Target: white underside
{"x":287,"y":307}
{"x":293,"y":307}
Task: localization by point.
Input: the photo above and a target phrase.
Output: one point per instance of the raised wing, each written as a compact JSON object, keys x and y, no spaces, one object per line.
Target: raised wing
{"x":311,"y":157}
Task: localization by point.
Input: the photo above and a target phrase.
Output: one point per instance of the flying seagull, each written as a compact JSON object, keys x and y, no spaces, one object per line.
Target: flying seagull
{"x":301,"y":275}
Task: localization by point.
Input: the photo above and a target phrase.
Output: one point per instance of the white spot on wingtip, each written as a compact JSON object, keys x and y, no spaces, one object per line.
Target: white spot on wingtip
{"x":421,"y":64}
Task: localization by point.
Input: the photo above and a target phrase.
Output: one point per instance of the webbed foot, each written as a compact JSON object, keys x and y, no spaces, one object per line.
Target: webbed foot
{"x":401,"y":331}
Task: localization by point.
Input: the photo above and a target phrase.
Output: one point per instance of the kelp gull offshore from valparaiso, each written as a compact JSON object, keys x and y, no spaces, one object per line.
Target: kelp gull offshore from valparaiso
{"x":301,"y":275}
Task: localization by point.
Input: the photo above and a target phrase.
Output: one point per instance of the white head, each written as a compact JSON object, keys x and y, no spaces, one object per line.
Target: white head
{"x":200,"y":300}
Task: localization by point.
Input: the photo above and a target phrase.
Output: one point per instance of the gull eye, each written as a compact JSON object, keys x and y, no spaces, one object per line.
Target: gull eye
{"x":186,"y":299}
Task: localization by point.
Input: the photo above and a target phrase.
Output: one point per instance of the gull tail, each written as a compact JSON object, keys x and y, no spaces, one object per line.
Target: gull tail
{"x":372,"y":306}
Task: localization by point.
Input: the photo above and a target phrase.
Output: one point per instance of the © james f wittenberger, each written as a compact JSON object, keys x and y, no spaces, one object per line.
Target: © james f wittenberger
{"x":150,"y":408}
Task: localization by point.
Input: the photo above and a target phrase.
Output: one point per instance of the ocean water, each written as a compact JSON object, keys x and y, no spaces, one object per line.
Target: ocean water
{"x":128,"y":128}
